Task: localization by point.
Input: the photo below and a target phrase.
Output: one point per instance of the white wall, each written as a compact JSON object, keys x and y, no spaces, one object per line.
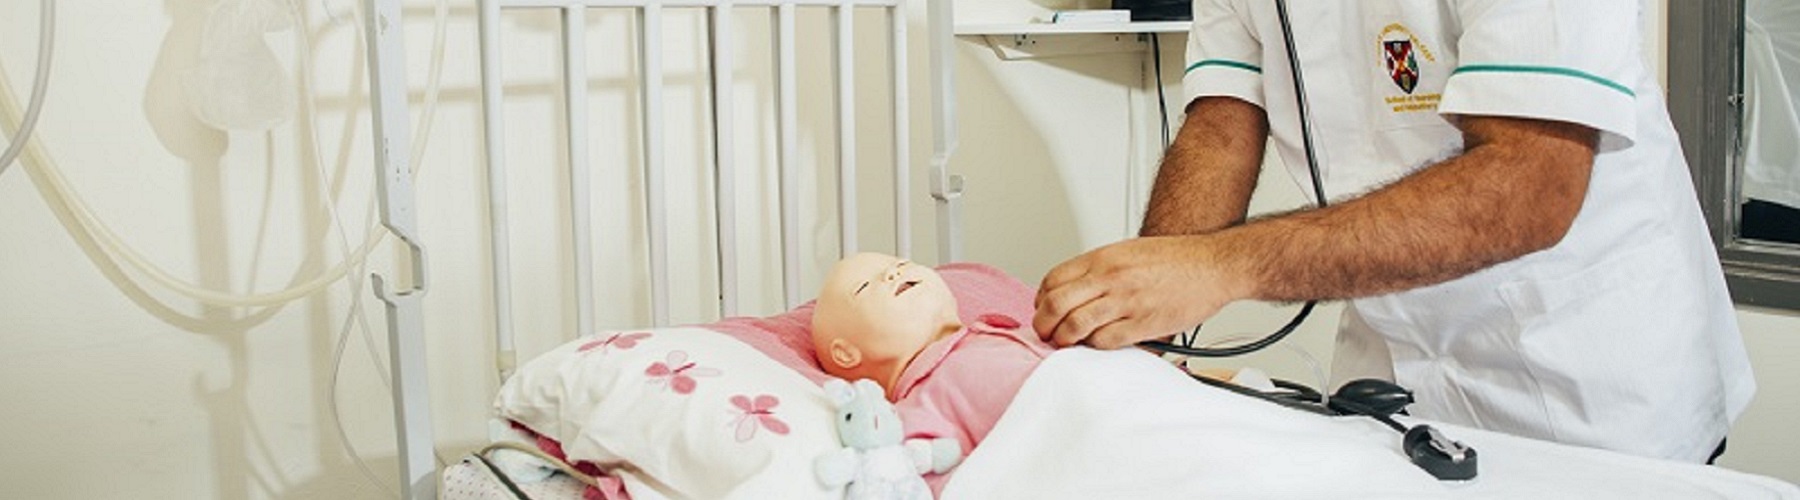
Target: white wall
{"x":102,"y":369}
{"x":99,"y":367}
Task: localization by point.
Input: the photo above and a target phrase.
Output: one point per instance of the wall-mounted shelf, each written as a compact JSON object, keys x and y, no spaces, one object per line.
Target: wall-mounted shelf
{"x":1014,"y":41}
{"x":1073,"y":28}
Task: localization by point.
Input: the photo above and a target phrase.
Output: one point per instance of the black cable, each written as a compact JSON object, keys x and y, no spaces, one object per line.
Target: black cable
{"x":1312,"y":407}
{"x":1188,"y":349}
{"x":1162,"y":101}
{"x":1443,"y":458}
{"x":1351,"y":408}
{"x":1300,"y":390}
{"x":1306,"y":135}
{"x":505,"y":481}
{"x":1312,"y":167}
{"x":1308,"y":400}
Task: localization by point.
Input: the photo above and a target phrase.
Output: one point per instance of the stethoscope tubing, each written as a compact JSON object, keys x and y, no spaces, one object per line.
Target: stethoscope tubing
{"x":1318,"y":184}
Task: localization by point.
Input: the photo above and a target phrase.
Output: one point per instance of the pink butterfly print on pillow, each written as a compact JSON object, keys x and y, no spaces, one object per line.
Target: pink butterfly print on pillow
{"x":622,"y":341}
{"x":756,"y":413}
{"x":676,"y":372}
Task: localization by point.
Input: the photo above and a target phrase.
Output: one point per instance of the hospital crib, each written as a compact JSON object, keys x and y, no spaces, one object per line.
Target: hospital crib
{"x":406,"y":318}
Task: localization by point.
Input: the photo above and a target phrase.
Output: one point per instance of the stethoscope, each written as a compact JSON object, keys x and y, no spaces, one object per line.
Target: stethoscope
{"x":1187,"y":347}
{"x":1425,"y":446}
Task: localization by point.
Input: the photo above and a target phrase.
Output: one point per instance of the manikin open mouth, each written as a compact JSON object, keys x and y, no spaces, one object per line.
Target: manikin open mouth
{"x":904,"y":287}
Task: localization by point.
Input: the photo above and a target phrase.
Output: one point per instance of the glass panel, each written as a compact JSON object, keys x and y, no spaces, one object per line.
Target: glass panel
{"x":1713,"y":64}
{"x":1768,"y":191}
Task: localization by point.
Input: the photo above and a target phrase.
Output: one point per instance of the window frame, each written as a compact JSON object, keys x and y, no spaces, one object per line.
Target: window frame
{"x":1705,"y":103}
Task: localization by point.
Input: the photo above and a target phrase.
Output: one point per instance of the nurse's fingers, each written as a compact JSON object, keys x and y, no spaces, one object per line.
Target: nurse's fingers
{"x":1082,"y":321}
{"x":1061,"y":275}
{"x":1055,"y":303}
{"x":1053,"y":306}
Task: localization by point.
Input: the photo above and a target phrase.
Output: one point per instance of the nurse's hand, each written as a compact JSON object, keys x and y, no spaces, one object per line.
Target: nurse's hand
{"x":1135,"y":290}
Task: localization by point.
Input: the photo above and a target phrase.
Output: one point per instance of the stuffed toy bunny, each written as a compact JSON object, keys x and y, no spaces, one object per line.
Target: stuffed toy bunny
{"x":876,"y":461}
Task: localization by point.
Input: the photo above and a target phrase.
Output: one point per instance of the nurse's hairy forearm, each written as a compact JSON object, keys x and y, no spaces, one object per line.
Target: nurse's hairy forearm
{"x":1514,"y":190}
{"x":1207,"y":175}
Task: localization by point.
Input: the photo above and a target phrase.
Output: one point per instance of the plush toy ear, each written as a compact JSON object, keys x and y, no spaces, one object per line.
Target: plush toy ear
{"x":871,"y":389}
{"x":840,"y":392}
{"x":844,"y":354}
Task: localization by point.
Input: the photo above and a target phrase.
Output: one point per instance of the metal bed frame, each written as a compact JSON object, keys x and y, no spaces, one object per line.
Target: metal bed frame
{"x":405,"y":318}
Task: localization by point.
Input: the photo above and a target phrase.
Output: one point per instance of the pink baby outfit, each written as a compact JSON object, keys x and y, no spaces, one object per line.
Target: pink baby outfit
{"x":787,"y":337}
{"x":959,"y":386}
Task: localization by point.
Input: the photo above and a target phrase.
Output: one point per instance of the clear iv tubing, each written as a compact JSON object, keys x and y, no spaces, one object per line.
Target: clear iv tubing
{"x":39,"y":83}
{"x":113,"y":246}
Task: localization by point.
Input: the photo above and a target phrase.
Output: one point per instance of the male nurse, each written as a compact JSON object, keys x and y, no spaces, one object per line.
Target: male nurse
{"x":1512,"y":222}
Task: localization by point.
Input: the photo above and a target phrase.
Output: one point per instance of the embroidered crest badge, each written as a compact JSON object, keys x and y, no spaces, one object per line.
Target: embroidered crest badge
{"x":1402,"y":65}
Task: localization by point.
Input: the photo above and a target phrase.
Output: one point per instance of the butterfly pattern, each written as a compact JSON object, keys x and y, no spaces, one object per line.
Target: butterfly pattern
{"x":622,"y":341}
{"x":677,"y":373}
{"x":757,"y":413}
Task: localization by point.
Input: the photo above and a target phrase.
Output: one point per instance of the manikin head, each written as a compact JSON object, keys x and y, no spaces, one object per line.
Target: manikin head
{"x":875,"y":313}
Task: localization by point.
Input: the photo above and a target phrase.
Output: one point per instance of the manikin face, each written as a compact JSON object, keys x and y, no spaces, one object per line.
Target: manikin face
{"x":875,"y":313}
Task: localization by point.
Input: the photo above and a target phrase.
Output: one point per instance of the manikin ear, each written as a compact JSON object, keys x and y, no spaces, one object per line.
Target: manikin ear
{"x":844,"y":354}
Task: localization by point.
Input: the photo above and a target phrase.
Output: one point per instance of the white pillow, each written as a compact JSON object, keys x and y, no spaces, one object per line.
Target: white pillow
{"x":678,"y":412}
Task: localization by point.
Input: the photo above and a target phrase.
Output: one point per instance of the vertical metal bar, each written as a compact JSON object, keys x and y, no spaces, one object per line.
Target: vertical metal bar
{"x":845,"y":67}
{"x":724,"y":149}
{"x":788,"y":151}
{"x":580,"y":183}
{"x":405,"y":320}
{"x":499,"y":239}
{"x":946,"y":189}
{"x":1139,"y":153}
{"x":902,"y":135}
{"x":650,"y":62}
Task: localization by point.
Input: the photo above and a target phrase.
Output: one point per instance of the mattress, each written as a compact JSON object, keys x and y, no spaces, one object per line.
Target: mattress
{"x":470,"y":480}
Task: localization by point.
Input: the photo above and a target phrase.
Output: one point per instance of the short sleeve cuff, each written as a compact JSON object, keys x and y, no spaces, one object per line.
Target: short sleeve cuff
{"x":1222,"y":77}
{"x":1546,"y":93}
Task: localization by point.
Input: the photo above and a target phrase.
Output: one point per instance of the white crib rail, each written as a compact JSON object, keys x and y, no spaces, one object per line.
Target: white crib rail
{"x":788,"y":151}
{"x":412,"y":416}
{"x":902,"y":137}
{"x":650,"y":13}
{"x":846,"y":123}
{"x":724,"y":150}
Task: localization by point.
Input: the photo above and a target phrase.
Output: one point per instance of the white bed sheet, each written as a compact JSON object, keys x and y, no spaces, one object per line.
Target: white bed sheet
{"x":1125,"y":424}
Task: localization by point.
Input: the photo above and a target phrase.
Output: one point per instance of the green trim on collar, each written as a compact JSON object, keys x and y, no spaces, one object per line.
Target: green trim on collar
{"x":1223,"y":62}
{"x":1548,"y":70}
